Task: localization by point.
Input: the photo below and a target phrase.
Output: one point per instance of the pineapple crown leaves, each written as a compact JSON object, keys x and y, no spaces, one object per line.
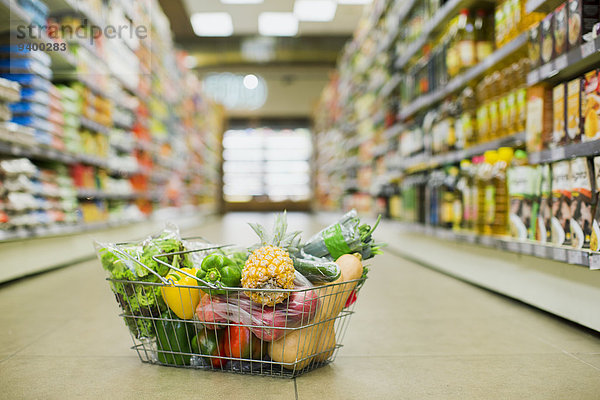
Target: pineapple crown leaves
{"x":280,"y":237}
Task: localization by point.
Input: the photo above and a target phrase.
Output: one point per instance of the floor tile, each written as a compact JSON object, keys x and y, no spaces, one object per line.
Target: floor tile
{"x":540,"y":376}
{"x":127,"y":378}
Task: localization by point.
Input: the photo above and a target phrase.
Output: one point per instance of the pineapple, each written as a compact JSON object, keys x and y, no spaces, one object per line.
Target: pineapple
{"x":270,"y":265}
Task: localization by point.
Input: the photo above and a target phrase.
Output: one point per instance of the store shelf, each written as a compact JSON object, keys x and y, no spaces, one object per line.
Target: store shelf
{"x":424,"y":161}
{"x":48,"y":154}
{"x":585,"y":149}
{"x":99,"y":194}
{"x":389,"y":86}
{"x":436,"y":22}
{"x":574,"y":63}
{"x":563,"y":254}
{"x":94,"y":126}
{"x":393,"y":131}
{"x":463,"y":79}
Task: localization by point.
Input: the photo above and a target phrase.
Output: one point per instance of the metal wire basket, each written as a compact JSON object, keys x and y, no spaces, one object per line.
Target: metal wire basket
{"x":226,"y":331}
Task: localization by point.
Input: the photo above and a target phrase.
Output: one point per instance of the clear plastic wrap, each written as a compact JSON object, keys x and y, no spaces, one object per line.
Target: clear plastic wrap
{"x":267,"y":323}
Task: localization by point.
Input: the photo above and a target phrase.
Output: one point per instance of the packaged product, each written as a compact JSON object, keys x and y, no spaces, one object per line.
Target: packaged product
{"x":539,"y":118}
{"x":574,"y":24}
{"x":534,"y":45}
{"x":581,"y":203}
{"x":547,"y":35}
{"x":590,"y":107}
{"x":574,"y":89}
{"x":595,"y":236}
{"x":561,"y":202}
{"x":559,"y":134}
{"x":523,"y":184}
{"x":543,"y":231}
{"x":560,"y":30}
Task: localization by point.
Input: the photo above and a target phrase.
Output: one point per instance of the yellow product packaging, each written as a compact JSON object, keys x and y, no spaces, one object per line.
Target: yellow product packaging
{"x":574,"y":90}
{"x":591,"y":108}
{"x":559,"y":134}
{"x":582,"y":203}
{"x":539,"y":118}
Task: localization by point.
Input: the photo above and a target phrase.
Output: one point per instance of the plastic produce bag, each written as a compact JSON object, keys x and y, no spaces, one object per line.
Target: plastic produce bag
{"x":344,"y":237}
{"x":267,"y":323}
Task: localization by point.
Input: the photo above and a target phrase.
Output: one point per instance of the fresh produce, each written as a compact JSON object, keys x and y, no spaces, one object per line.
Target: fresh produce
{"x":210,"y":343}
{"x":182,"y":301}
{"x":173,"y":337}
{"x":347,"y":236}
{"x":297,"y":348}
{"x":221,"y":271}
{"x":267,"y":322}
{"x":317,"y":270}
{"x":270,"y":265}
{"x":241,"y":343}
{"x":134,"y":262}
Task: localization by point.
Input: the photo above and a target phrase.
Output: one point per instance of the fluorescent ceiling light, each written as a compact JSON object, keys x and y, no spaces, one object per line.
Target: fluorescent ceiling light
{"x":212,"y":24}
{"x":250,"y":82}
{"x":241,"y":1}
{"x":277,"y":24}
{"x":354,"y":1}
{"x":315,"y":10}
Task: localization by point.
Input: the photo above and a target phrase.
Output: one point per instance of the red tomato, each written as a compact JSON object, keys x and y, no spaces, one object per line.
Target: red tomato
{"x":241,"y":343}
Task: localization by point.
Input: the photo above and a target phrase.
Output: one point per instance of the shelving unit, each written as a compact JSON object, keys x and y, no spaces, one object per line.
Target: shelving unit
{"x":463,"y":79}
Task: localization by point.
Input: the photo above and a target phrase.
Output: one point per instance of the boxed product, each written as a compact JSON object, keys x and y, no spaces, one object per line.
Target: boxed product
{"x":560,"y":30}
{"x":543,"y":231}
{"x":523,"y":183}
{"x":582,"y":203}
{"x":534,"y":45}
{"x":561,"y":202}
{"x":595,"y":236}
{"x":590,"y":107}
{"x":559,"y":134}
{"x":539,"y":118}
{"x":582,"y":16}
{"x":547,"y":37}
{"x":574,"y":89}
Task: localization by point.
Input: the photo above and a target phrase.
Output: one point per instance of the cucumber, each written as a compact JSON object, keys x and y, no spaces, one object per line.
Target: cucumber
{"x":317,"y":271}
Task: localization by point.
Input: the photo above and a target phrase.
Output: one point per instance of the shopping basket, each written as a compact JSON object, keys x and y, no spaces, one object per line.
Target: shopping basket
{"x":227,"y":331}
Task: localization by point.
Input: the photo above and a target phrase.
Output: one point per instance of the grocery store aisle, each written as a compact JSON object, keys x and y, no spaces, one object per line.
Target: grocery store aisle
{"x":416,"y":334}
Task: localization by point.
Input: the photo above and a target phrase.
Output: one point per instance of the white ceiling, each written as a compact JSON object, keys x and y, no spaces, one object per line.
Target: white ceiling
{"x":245,"y":16}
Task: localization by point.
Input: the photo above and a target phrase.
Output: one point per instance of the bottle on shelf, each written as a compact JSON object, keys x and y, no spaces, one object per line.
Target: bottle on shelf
{"x":485,"y":195}
{"x":465,"y":38}
{"x":498,"y":217}
{"x":465,"y":187}
{"x":484,"y":45}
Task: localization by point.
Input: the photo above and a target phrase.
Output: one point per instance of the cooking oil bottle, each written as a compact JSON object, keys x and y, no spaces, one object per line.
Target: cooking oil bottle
{"x":465,"y":188}
{"x":497,"y":222}
{"x":485,"y":191}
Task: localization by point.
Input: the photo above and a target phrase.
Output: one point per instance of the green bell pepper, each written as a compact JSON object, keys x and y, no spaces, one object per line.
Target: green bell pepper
{"x":218,"y":269}
{"x":173,"y":337}
{"x":210,"y":343}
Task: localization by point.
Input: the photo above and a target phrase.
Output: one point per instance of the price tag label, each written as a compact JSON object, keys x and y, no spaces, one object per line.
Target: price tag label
{"x":526,"y":248}
{"x":595,"y":261}
{"x":540,"y":251}
{"x":587,"y":49}
{"x":558,"y":154}
{"x":561,"y":62}
{"x":487,"y":241}
{"x":533,"y":77}
{"x":546,"y":70}
{"x":576,"y":257}
{"x":512,"y":246}
{"x":559,"y":254}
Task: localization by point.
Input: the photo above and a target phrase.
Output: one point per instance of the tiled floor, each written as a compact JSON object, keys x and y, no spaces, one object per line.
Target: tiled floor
{"x":417,"y":334}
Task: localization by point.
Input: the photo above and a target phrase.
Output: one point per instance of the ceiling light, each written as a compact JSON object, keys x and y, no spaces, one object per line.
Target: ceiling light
{"x":241,"y":1}
{"x":315,"y":10}
{"x":354,"y":1}
{"x":212,"y":24}
{"x":277,"y":24}
{"x":250,"y":82}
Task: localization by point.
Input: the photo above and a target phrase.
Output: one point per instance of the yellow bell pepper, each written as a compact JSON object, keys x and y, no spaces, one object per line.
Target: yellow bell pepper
{"x":182,"y":301}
